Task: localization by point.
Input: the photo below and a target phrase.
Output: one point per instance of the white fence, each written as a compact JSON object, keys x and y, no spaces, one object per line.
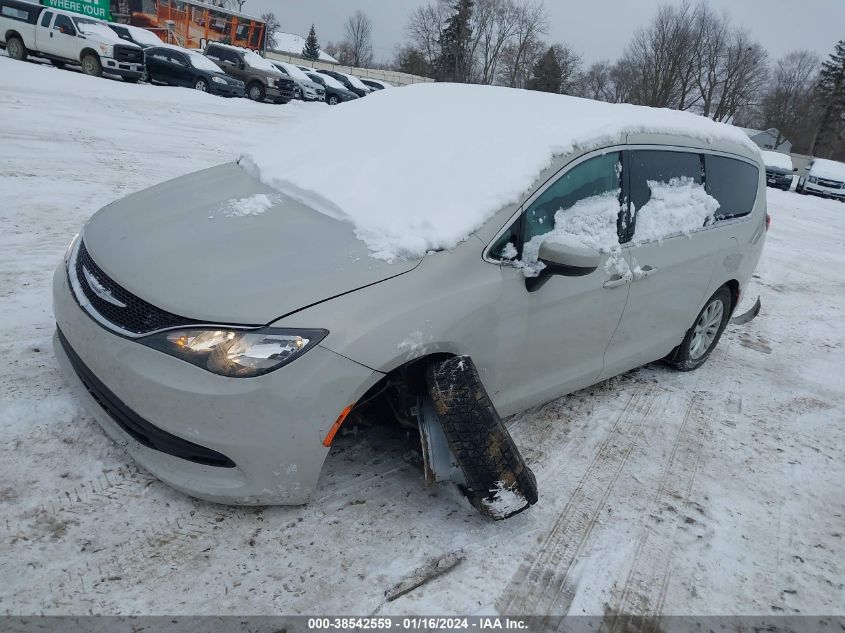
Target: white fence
{"x":390,"y":76}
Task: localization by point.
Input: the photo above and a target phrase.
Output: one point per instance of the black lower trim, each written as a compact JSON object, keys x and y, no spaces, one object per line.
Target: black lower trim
{"x":145,"y":433}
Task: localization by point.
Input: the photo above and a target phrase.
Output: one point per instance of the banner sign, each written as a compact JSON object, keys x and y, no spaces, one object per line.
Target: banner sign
{"x":93,"y":8}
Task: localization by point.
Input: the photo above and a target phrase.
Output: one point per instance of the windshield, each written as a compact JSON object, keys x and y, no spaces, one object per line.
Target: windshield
{"x":331,"y":82}
{"x":257,"y":61}
{"x":203,"y":63}
{"x":143,"y":36}
{"x":355,"y":82}
{"x":93,"y":27}
{"x":294,"y":72}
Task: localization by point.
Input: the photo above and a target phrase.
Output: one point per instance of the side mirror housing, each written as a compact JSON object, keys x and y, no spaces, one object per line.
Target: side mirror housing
{"x":569,"y":257}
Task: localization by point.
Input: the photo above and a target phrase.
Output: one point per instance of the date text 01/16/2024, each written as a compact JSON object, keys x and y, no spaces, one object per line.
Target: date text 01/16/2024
{"x":417,"y":623}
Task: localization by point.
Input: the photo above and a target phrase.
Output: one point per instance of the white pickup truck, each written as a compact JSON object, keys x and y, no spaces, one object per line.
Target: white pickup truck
{"x":63,"y":37}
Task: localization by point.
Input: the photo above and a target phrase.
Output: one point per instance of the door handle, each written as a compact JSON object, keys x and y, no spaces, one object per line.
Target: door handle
{"x":619,"y":281}
{"x":642,"y":273}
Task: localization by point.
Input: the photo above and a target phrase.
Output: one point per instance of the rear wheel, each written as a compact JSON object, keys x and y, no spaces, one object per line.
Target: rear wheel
{"x":91,"y":65}
{"x":16,"y":49}
{"x":201,"y":85}
{"x":498,"y":482}
{"x":255,"y":92}
{"x":702,"y":338}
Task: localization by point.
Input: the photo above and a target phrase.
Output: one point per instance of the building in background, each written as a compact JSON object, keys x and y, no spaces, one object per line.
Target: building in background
{"x":293,"y":44}
{"x":767,"y":139}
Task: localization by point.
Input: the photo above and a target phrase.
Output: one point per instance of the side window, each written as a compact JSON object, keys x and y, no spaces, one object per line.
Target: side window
{"x":583,"y":202}
{"x":64,"y":25}
{"x":14,"y":12}
{"x":214,"y":52}
{"x":45,"y":19}
{"x":667,"y":194}
{"x":733,"y":183}
{"x":178,"y":59}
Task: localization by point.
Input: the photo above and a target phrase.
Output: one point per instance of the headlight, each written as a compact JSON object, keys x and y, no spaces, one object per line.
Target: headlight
{"x":236,"y":353}
{"x":105,"y":49}
{"x":218,"y":80}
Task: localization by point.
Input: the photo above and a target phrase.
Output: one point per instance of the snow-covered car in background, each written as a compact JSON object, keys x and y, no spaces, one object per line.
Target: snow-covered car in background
{"x":336,"y":92}
{"x":824,"y":178}
{"x":779,"y":169}
{"x":261,"y":78}
{"x":306,"y":88}
{"x":376,"y":84}
{"x":350,"y":82}
{"x":175,"y":66}
{"x":478,"y":279}
{"x":136,"y":35}
{"x":67,"y":38}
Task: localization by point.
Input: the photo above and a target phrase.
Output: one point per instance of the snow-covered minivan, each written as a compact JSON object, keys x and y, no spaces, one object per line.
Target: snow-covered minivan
{"x":494,"y":249}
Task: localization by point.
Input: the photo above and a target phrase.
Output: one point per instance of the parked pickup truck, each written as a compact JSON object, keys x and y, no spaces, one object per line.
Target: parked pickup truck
{"x":63,"y":37}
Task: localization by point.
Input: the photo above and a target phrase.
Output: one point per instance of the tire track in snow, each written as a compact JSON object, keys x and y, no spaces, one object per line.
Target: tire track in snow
{"x":539,"y":583}
{"x":644,"y":591}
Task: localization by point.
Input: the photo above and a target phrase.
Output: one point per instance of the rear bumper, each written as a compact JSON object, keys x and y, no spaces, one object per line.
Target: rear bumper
{"x":176,"y":419}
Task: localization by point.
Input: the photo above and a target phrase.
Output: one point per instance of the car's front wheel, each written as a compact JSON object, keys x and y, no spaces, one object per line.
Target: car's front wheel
{"x":201,"y":85}
{"x":701,"y":339}
{"x":256,"y":92}
{"x":333,"y":100}
{"x":91,"y":65}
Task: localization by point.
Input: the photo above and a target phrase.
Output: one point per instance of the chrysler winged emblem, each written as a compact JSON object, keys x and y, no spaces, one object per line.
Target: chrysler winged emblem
{"x":100,"y":290}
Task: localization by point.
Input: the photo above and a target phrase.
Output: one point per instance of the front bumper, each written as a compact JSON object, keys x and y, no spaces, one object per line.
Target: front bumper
{"x":227,"y":90}
{"x":826,"y":192}
{"x":270,"y":428}
{"x":122,"y":69}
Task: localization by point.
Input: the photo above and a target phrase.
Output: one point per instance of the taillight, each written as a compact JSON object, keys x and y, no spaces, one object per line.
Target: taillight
{"x":768,"y":221}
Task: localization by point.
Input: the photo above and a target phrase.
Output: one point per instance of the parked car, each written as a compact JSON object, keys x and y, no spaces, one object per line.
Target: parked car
{"x":261,"y":78}
{"x":779,"y":169}
{"x":603,"y":249}
{"x":336,"y":92}
{"x":176,"y":66}
{"x":306,"y":89}
{"x":67,"y":38}
{"x":376,"y":84}
{"x":349,"y":82}
{"x":825,"y":178}
{"x":136,"y":35}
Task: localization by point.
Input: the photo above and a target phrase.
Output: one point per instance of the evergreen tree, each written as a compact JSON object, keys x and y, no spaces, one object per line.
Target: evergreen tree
{"x":831,"y":94}
{"x":454,"y":63}
{"x":547,"y":74}
{"x":312,"y":47}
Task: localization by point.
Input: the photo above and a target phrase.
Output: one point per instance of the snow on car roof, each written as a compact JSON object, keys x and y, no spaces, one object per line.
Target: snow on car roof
{"x":830,"y":169}
{"x":422,"y":168}
{"x":777,"y":159}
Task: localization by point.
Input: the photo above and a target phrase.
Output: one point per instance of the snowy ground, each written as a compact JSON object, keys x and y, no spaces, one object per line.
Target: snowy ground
{"x":714,"y":492}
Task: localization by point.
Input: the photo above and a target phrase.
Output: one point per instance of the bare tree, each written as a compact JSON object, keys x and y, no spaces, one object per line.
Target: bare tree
{"x":425,"y":28}
{"x":788,"y":104}
{"x":526,"y":46}
{"x":272,"y":27}
{"x":596,"y":82}
{"x":713,"y":37}
{"x":745,"y":75}
{"x":494,"y":25}
{"x":359,"y":39}
{"x":341,"y":51}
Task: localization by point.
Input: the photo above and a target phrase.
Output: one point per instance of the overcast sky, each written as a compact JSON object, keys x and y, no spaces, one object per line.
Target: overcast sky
{"x":596,"y":29}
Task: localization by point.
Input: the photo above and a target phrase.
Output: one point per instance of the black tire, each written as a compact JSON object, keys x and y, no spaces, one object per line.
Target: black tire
{"x":15,"y":49}
{"x":695,"y":350}
{"x":91,"y":65}
{"x":799,"y":187}
{"x":201,"y":85}
{"x":478,"y":439}
{"x":255,"y":91}
{"x":333,"y":100}
{"x":57,"y":63}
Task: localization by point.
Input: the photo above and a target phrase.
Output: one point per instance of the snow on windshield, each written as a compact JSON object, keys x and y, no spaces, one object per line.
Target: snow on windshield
{"x":776,"y":159}
{"x":100,"y":29}
{"x":202,"y":62}
{"x":441,"y":159}
{"x":143,"y":36}
{"x":829,"y":169}
{"x":257,"y":61}
{"x":355,"y":82}
{"x":294,"y":72}
{"x":333,"y":83}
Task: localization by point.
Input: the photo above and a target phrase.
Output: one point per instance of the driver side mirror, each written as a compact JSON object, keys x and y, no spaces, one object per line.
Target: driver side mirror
{"x":567,"y":257}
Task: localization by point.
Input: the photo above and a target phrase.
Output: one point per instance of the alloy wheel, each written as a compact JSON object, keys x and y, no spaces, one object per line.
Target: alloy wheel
{"x":706,"y":329}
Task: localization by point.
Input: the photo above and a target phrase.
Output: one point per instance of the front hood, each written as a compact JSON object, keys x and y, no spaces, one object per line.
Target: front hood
{"x":188,"y":247}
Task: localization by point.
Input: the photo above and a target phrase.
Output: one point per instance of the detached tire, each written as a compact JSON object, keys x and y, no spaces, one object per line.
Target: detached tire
{"x":498,"y":482}
{"x":701,"y":339}
{"x":16,"y":49}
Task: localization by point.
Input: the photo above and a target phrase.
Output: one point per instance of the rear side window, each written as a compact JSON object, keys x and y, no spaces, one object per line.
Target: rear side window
{"x":660,"y":166}
{"x":8,"y":11}
{"x":733,"y":183}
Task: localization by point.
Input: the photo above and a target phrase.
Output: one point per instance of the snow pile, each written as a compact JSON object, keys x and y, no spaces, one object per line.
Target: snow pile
{"x":504,"y":501}
{"x":421,"y":168}
{"x":678,"y":206}
{"x":828,"y":169}
{"x":777,"y":160}
{"x":252,"y":205}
